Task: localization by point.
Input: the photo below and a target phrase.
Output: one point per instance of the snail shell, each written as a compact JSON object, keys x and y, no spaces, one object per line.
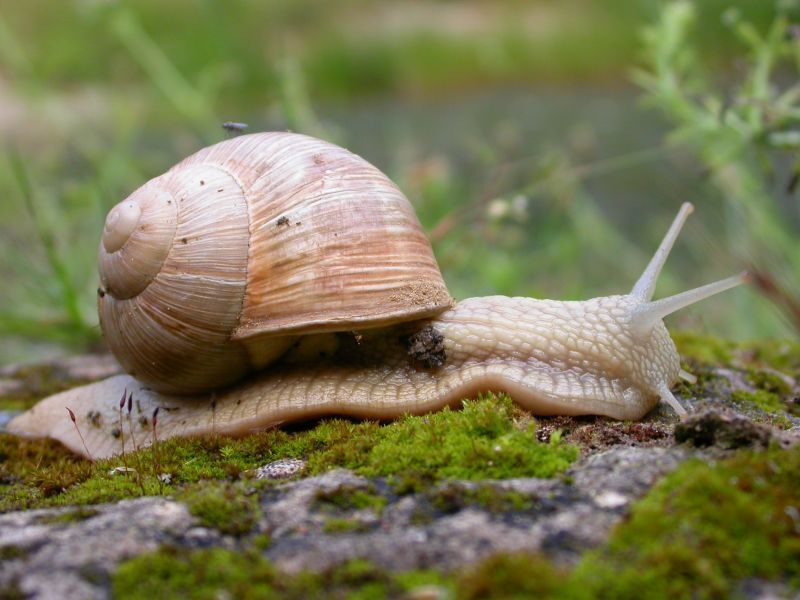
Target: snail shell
{"x":215,"y":267}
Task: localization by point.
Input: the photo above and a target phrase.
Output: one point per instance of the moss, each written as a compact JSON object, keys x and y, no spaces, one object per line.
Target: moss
{"x":766,"y":401}
{"x":12,"y":553}
{"x":698,"y":533}
{"x":224,"y":507}
{"x":783,"y":355}
{"x":453,"y":498}
{"x":347,"y":498}
{"x":489,"y":438}
{"x":778,"y":421}
{"x":702,"y":348}
{"x":261,"y":542}
{"x":81,"y":513}
{"x":11,"y":591}
{"x":769,"y":382}
{"x":703,"y":529}
{"x":759,"y":360}
{"x":771,"y":393}
{"x":481,"y":441}
{"x":201,"y":574}
{"x":34,"y":472}
{"x":337,"y":525}
{"x":514,"y":576}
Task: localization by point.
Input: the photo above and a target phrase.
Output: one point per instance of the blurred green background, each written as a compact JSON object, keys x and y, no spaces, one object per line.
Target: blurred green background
{"x":545,"y":145}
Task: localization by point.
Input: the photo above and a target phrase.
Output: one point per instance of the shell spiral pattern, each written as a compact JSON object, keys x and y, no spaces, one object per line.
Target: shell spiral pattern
{"x":213,"y":268}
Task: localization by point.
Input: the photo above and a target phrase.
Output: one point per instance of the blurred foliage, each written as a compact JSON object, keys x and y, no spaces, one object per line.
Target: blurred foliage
{"x":231,"y":52}
{"x":740,"y":133}
{"x":508,"y":124}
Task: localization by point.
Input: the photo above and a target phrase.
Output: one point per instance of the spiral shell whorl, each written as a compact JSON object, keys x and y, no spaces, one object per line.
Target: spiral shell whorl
{"x":172,"y":294}
{"x":216,"y":266}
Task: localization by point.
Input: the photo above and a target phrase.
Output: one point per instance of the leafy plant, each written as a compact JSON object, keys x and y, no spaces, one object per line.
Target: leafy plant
{"x":741,"y":133}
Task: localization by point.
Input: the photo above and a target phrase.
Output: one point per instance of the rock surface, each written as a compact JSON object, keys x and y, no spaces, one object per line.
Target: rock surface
{"x":68,"y":552}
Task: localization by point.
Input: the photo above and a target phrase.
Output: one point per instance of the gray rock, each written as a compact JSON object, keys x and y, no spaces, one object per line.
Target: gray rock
{"x":63,"y":559}
{"x":57,"y":553}
{"x":756,"y":589}
{"x":564,"y":518}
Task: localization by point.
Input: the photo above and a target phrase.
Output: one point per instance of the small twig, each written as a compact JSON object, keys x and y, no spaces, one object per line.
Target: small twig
{"x":80,"y":435}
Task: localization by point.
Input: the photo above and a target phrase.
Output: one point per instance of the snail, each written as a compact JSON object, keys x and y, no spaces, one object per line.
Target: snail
{"x":275,"y":277}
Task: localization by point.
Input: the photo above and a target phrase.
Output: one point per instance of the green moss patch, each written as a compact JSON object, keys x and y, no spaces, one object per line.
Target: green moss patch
{"x":782,"y":355}
{"x":346,"y":498}
{"x":515,"y":576}
{"x":36,"y":472}
{"x":702,"y":348}
{"x":489,"y":438}
{"x":769,"y":382}
{"x":200,"y":574}
{"x":481,"y":441}
{"x":451,"y":498}
{"x":228,"y":508}
{"x":339,"y":525}
{"x":699,"y":533}
{"x":11,"y":553}
{"x":766,"y":401}
{"x":705,"y":528}
{"x":212,"y":573}
{"x":80,"y":513}
{"x":767,"y":366}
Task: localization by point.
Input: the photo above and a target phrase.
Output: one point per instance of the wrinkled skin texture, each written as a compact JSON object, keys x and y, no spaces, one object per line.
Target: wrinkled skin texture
{"x":565,"y":358}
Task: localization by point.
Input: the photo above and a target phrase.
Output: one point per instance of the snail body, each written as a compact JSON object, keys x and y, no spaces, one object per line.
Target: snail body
{"x":413,"y":352}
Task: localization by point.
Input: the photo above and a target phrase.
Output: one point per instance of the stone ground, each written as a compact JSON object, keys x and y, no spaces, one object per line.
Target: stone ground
{"x":72,"y":552}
